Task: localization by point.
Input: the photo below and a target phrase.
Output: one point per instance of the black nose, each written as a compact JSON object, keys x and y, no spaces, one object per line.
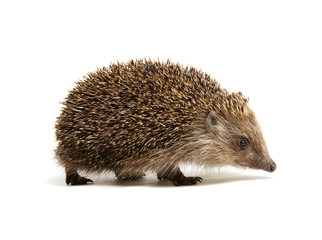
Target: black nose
{"x":271,"y":167}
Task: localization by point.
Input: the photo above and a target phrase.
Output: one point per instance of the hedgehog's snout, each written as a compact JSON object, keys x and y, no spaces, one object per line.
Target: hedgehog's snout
{"x":271,"y":167}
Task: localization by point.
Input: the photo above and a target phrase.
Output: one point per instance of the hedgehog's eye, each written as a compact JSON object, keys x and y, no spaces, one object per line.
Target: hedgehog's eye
{"x":243,"y":143}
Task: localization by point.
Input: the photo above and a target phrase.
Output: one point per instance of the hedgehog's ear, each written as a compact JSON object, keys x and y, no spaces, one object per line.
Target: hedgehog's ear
{"x":212,"y":120}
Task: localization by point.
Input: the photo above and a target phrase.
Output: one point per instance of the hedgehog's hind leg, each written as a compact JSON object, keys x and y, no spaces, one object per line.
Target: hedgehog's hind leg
{"x":177,"y":178}
{"x":130,"y":177}
{"x":73,"y":178}
{"x":123,"y":175}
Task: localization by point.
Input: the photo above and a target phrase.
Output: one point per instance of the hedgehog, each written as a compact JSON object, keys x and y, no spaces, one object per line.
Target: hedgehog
{"x":152,"y":116}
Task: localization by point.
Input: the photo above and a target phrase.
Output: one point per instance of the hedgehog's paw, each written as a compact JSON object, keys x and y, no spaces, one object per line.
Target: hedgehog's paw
{"x":186,"y":181}
{"x":73,"y":178}
{"x":177,"y":178}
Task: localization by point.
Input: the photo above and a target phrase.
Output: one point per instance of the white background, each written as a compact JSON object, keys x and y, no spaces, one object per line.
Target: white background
{"x":269,"y":50}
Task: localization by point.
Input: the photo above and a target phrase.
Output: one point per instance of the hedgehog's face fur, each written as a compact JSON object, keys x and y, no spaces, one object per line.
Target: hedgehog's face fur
{"x":238,"y":140}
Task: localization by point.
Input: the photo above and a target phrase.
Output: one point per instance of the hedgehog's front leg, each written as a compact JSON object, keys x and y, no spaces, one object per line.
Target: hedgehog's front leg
{"x":177,"y":178}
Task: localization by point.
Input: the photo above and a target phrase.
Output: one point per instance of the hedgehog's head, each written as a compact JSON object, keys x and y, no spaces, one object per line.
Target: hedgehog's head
{"x":237,"y":137}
